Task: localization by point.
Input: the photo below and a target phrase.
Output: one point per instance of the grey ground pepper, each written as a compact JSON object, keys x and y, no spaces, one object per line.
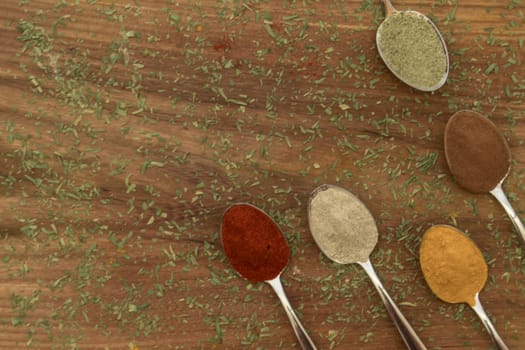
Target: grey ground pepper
{"x":341,"y":225}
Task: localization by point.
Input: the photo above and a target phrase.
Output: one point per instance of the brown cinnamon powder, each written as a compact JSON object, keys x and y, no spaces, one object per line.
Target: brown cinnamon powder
{"x":476,"y":152}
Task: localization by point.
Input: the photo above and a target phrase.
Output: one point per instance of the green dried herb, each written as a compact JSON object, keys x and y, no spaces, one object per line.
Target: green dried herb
{"x":412,"y":49}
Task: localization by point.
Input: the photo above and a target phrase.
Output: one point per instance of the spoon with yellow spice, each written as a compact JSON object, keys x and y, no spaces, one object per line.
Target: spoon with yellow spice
{"x":455,"y":270}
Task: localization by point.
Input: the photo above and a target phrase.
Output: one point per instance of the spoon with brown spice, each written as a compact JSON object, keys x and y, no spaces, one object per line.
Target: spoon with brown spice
{"x":455,"y":270}
{"x":412,"y":48}
{"x":346,"y":233}
{"x":479,"y":158}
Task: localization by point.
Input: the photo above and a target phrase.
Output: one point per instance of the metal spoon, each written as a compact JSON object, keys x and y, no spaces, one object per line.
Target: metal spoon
{"x":466,"y":165}
{"x":391,"y":11}
{"x":347,"y":234}
{"x":256,"y":219}
{"x":432,"y":245}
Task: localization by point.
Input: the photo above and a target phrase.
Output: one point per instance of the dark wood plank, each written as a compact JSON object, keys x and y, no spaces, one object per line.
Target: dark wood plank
{"x":127,"y":128}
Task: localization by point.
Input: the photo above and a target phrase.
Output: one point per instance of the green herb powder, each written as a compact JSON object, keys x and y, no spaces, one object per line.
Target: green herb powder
{"x":412,"y":49}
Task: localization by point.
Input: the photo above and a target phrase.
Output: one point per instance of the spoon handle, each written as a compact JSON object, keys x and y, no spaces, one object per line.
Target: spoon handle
{"x":496,"y":339}
{"x":498,"y":193}
{"x":408,"y":334}
{"x":300,"y":332}
{"x":389,"y":8}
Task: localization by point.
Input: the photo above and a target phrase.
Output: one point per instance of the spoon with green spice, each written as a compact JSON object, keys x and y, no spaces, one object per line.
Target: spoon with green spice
{"x":413,"y":49}
{"x":346,"y":233}
{"x":479,"y":158}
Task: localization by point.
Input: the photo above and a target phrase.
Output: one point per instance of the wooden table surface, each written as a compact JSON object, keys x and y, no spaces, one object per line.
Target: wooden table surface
{"x":128,"y":127}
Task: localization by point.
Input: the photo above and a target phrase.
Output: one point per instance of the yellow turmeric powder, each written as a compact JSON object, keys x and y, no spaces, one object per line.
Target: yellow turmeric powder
{"x":452,"y":264}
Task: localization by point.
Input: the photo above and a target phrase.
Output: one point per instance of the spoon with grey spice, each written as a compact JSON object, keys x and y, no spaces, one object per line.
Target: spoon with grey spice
{"x":346,"y":233}
{"x":413,"y":49}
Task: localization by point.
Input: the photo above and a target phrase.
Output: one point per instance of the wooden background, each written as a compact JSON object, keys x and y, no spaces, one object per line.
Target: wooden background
{"x":127,"y":128}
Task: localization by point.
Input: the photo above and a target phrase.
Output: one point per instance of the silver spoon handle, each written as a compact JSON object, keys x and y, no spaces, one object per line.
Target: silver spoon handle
{"x":498,"y":193}
{"x":389,"y":8}
{"x":408,"y":334}
{"x":300,"y":332}
{"x":496,"y":339}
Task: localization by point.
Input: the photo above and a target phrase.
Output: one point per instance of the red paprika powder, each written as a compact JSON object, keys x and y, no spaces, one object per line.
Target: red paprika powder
{"x":253,"y":243}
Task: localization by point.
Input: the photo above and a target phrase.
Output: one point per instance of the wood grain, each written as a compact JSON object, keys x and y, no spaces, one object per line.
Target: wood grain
{"x":127,"y":128}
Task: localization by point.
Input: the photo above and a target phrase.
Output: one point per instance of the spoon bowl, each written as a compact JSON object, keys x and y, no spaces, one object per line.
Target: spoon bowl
{"x":257,"y":250}
{"x":452,"y":277}
{"x":479,"y":158}
{"x":419,"y":67}
{"x":358,"y":235}
{"x":345,"y":231}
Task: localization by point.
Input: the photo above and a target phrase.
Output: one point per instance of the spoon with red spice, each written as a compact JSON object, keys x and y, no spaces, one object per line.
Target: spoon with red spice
{"x":479,"y":158}
{"x":257,"y":250}
{"x":345,"y":231}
